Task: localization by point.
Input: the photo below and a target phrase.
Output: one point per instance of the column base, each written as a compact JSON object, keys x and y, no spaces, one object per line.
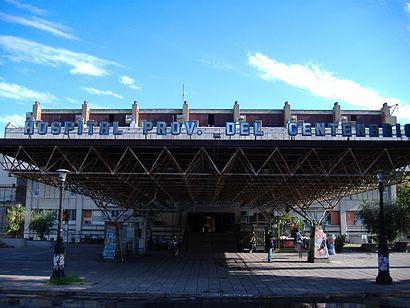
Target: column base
{"x":384,"y":278}
{"x":319,"y":260}
{"x":57,"y":274}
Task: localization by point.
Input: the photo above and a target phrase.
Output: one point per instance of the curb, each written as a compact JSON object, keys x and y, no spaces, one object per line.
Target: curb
{"x":307,"y":297}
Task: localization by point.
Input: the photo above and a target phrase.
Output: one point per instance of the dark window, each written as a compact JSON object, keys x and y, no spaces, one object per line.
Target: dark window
{"x":353,"y":118}
{"x":111,"y":118}
{"x":211,"y":119}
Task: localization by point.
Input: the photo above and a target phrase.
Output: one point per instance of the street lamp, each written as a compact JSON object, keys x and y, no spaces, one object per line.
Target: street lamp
{"x":383,"y":254}
{"x":59,"y":248}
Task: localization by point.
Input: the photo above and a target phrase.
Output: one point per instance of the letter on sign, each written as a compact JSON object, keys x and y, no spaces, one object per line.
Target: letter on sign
{"x":230,"y":128}
{"x":146,"y":127}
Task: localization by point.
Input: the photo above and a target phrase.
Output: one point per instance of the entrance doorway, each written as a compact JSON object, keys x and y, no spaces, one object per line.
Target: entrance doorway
{"x":211,"y":222}
{"x":212,"y":233}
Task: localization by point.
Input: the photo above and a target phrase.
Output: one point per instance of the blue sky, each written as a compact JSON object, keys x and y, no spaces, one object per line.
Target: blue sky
{"x":260,"y":53}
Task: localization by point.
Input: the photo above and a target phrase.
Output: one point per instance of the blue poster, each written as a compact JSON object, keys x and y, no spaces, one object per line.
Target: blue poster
{"x":110,"y":242}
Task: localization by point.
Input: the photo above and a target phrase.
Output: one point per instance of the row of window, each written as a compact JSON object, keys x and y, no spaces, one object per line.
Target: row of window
{"x":89,"y":216}
{"x":352,"y":218}
{"x":36,"y":190}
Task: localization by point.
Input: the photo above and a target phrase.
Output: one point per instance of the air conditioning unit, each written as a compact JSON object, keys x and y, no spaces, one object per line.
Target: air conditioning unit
{"x":29,"y":116}
{"x":78,"y":118}
{"x":180,"y":118}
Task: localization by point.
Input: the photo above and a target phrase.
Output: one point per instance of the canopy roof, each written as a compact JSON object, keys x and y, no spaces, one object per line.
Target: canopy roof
{"x":164,"y":173}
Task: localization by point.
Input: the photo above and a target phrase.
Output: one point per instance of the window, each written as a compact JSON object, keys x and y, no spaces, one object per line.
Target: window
{"x":87,"y":217}
{"x":7,"y":195}
{"x":211,"y":119}
{"x":36,"y":189}
{"x":334,"y":218}
{"x":97,"y":218}
{"x":70,"y":215}
{"x":353,"y":219}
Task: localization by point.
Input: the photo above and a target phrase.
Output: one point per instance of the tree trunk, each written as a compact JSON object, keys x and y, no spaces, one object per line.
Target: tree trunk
{"x":119,"y":244}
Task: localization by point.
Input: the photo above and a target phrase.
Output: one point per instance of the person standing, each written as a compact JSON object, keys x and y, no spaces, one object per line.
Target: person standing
{"x":298,"y":243}
{"x":252,"y":241}
{"x":269,"y":245}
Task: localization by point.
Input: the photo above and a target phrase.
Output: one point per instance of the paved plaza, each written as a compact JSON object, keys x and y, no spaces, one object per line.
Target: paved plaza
{"x":158,"y":274}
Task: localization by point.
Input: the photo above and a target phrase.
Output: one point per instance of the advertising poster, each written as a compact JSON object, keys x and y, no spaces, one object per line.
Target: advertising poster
{"x":110,"y":241}
{"x":320,"y":245}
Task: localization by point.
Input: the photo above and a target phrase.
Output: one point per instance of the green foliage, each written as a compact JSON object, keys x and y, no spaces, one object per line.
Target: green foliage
{"x":67,"y":280}
{"x":340,"y":241}
{"x":396,"y":217}
{"x":286,"y":218}
{"x":403,"y":196}
{"x":15,"y":219}
{"x":41,"y":221}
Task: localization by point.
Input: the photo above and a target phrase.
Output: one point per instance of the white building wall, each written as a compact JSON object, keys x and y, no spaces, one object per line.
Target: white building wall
{"x":8,"y":184}
{"x":41,"y":196}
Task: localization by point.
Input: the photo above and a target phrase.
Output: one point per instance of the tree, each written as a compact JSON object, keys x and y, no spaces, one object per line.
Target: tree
{"x":15,"y":219}
{"x":41,"y":221}
{"x":396,"y":214}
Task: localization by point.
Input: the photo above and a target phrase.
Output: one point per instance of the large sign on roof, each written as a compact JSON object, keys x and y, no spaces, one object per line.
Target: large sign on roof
{"x":190,"y":128}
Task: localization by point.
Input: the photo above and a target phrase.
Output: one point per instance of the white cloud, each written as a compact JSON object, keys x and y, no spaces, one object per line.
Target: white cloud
{"x":223,"y":66}
{"x":71,"y":100}
{"x":21,"y":50}
{"x":129,"y":82}
{"x":217,"y":65}
{"x":320,"y":83}
{"x":14,"y":118}
{"x":41,"y":24}
{"x":407,"y":7}
{"x":15,"y":91}
{"x":31,"y":8}
{"x":101,"y":92}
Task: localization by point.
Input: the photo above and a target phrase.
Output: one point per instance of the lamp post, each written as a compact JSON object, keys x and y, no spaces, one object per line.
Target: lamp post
{"x":383,"y":252}
{"x":59,"y":248}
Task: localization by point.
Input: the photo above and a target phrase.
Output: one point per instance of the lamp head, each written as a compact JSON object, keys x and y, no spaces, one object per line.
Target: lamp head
{"x":380,"y":176}
{"x":62,"y":174}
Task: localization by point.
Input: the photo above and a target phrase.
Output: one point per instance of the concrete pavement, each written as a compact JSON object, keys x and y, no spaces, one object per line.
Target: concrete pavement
{"x":201,"y":275}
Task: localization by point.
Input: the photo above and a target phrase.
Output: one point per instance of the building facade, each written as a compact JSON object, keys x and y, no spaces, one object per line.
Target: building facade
{"x":85,"y":221}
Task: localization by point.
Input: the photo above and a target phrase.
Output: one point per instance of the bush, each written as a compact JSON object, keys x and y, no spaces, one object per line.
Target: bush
{"x":67,"y":280}
{"x":15,"y":219}
{"x":341,"y":240}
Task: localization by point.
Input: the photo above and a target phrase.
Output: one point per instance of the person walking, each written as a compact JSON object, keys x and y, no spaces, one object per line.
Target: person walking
{"x":269,"y":245}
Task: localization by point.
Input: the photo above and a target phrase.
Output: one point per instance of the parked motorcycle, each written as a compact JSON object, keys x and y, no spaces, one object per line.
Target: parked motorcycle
{"x":172,"y":245}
